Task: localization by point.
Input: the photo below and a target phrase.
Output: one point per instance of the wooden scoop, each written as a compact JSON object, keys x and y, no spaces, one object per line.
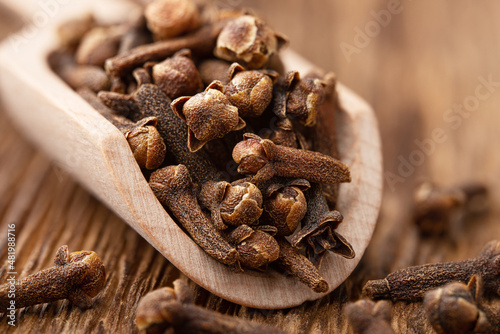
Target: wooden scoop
{"x":95,"y":153}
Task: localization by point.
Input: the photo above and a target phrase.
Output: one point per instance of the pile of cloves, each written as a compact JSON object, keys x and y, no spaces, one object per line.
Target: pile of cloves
{"x":197,"y":91}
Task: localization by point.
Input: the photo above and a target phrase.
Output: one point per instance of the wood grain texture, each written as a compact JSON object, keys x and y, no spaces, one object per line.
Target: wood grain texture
{"x":427,"y":59}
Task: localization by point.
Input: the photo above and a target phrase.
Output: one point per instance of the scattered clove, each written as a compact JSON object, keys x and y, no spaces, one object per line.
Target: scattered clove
{"x":411,"y":284}
{"x":452,"y":309}
{"x":168,"y":310}
{"x":78,"y":276}
{"x":367,"y":317}
{"x":438,"y":210}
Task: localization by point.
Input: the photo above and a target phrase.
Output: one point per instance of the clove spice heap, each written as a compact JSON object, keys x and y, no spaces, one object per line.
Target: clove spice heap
{"x":226,"y":139}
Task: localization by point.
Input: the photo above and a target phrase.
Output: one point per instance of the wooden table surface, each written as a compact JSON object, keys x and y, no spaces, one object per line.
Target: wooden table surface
{"x":418,"y":70}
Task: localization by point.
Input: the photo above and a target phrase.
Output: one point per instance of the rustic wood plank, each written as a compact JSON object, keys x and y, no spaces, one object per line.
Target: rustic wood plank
{"x":424,"y":61}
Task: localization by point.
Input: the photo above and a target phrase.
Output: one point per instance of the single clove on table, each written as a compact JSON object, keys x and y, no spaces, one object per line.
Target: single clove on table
{"x":193,"y":90}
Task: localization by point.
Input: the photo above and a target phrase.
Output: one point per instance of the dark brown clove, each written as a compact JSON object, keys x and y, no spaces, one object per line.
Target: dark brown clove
{"x":248,"y":41}
{"x":256,"y":248}
{"x":99,"y":44}
{"x":318,"y":234}
{"x":168,"y":310}
{"x":209,"y":115}
{"x":297,"y":265}
{"x":285,"y":204}
{"x":145,"y":142}
{"x":452,"y":309}
{"x":78,"y":276}
{"x":441,"y":210}
{"x":177,"y":76}
{"x":367,"y":317}
{"x":173,"y":187}
{"x":201,"y":42}
{"x":266,"y":159}
{"x":250,"y":91}
{"x":242,"y":204}
{"x":412,"y":283}
{"x":214,"y":69}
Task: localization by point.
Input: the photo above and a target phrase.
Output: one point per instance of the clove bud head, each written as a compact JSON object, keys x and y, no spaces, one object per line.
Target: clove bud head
{"x":250,"y":91}
{"x":285,"y":209}
{"x":178,"y":76}
{"x":255,"y":248}
{"x":304,"y":99}
{"x":209,"y":115}
{"x":242,"y":204}
{"x":248,"y":41}
{"x":251,"y":156}
{"x":451,"y":309}
{"x":171,"y":18}
{"x":95,"y":277}
{"x":147,"y":146}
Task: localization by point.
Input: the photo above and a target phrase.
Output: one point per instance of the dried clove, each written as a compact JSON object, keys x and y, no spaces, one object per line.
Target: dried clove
{"x":168,"y":310}
{"x":214,"y":69}
{"x":266,"y":159}
{"x":171,"y":18}
{"x":318,"y":234}
{"x":248,"y":41}
{"x":367,"y":317}
{"x":256,"y":248}
{"x":250,"y":91}
{"x":149,"y":101}
{"x":208,"y":115}
{"x":142,"y":136}
{"x":178,"y":76}
{"x":99,"y":44}
{"x":201,"y":42}
{"x":241,"y":204}
{"x":173,"y":187}
{"x":297,"y":265}
{"x":410,"y":284}
{"x":78,"y":276}
{"x":438,"y":210}
{"x":452,"y":309}
{"x":285,"y":204}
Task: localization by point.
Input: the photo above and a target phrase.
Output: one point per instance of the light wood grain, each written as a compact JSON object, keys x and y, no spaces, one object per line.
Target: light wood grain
{"x":95,"y":153}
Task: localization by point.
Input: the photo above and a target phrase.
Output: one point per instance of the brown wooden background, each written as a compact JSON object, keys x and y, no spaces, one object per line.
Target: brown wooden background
{"x":426,"y":60}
